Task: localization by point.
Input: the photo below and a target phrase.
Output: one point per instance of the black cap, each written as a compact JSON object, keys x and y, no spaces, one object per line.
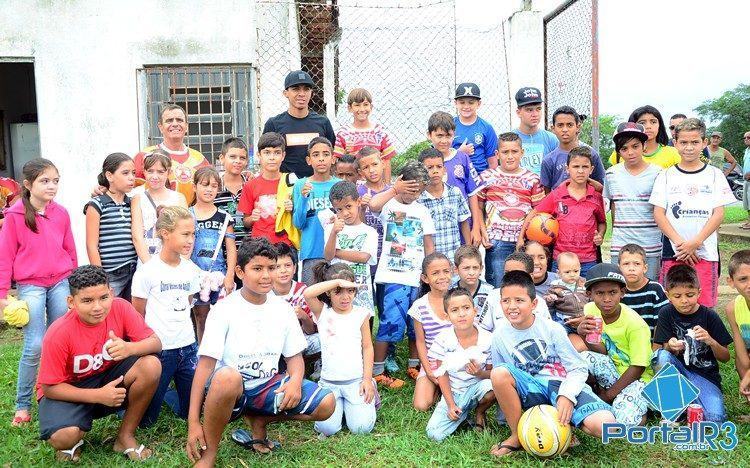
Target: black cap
{"x":631,"y":129}
{"x":528,"y":95}
{"x":298,"y":77}
{"x":604,"y":272}
{"x":470,"y":90}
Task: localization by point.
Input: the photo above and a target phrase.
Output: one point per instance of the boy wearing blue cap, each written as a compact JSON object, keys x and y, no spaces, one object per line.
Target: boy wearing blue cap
{"x":474,"y":135}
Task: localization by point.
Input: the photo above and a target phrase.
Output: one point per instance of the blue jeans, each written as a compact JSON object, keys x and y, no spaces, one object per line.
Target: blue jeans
{"x":495,"y":261}
{"x":709,"y":396}
{"x":45,"y":306}
{"x":394,"y":301}
{"x":178,"y":364}
{"x":121,"y":279}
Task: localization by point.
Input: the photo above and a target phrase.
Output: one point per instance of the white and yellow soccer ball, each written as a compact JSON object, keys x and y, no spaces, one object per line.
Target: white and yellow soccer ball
{"x":541,"y":433}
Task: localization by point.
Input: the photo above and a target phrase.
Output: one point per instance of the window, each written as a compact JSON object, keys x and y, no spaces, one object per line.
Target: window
{"x":217,"y":100}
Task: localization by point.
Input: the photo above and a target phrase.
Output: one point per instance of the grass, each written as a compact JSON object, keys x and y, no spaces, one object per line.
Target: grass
{"x":398,"y":438}
{"x":734,"y":214}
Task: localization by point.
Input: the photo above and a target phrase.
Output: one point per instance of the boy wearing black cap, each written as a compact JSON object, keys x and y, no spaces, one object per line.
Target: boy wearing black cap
{"x":619,"y":343}
{"x":537,"y":141}
{"x":298,"y":124}
{"x":474,"y":135}
{"x":628,"y":187}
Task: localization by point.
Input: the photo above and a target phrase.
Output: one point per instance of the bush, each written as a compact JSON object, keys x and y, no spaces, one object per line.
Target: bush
{"x":410,"y":154}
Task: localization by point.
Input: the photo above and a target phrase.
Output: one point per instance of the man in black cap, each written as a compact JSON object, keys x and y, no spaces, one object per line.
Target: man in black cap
{"x":537,"y":142}
{"x":474,"y":135}
{"x":299,"y":124}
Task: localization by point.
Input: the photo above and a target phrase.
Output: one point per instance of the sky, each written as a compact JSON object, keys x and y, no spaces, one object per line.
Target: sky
{"x":672,"y":54}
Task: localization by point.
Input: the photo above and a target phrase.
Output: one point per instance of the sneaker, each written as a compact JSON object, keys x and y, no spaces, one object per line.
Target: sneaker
{"x":390,"y":364}
{"x":412,"y":372}
{"x":388,"y":381}
{"x":315,"y":375}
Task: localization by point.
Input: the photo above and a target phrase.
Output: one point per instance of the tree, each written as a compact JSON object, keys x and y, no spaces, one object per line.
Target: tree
{"x":732,"y":112}
{"x":607,"y":126}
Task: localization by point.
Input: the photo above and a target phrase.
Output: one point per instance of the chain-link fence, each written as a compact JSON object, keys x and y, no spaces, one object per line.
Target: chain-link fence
{"x":409,"y":55}
{"x":571,"y":61}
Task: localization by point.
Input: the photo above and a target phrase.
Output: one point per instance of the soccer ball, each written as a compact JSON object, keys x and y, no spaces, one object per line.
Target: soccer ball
{"x":541,"y":433}
{"x":543,"y":228}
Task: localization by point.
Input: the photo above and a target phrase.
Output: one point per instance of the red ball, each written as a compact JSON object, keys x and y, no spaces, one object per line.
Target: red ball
{"x":543,"y":228}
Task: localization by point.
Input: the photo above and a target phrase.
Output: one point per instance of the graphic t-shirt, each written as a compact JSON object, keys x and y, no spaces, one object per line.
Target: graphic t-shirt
{"x":446,"y":348}
{"x":460,"y":173}
{"x":689,"y":199}
{"x":664,"y":157}
{"x":673,"y":324}
{"x":350,"y":140}
{"x":372,"y":218}
{"x":627,"y":340}
{"x":535,"y":147}
{"x":544,"y":351}
{"x":403,"y":243}
{"x":508,"y":198}
{"x":210,"y":234}
{"x":261,"y":193}
{"x":229,"y":202}
{"x":184,"y":164}
{"x":358,"y":238}
{"x":298,"y":133}
{"x":73,"y":350}
{"x":341,"y":343}
{"x":306,"y":215}
{"x":555,"y":167}
{"x":168,"y":291}
{"x":482,"y":136}
{"x":251,"y":338}
{"x":633,"y":215}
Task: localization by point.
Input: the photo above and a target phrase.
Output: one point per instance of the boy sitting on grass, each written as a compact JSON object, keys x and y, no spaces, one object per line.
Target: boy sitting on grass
{"x":237,"y":372}
{"x":534,"y":363}
{"x":88,"y":370}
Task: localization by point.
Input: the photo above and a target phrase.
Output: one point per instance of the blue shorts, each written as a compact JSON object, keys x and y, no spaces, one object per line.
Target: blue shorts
{"x":560,"y":318}
{"x":535,"y":391}
{"x":262,"y":400}
{"x":393,"y":301}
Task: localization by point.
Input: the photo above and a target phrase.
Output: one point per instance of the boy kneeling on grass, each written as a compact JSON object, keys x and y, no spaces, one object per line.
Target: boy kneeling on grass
{"x":237,"y":372}
{"x":89,"y":371}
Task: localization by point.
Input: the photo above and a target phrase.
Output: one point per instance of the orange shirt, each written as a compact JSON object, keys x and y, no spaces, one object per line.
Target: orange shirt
{"x":184,"y":165}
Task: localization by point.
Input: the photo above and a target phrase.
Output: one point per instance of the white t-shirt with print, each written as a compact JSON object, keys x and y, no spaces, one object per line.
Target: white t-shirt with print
{"x":341,"y":343}
{"x":251,"y":338}
{"x":404,"y":228}
{"x":167,"y":291}
{"x":447,"y":348}
{"x":689,"y":199}
{"x":358,"y":238}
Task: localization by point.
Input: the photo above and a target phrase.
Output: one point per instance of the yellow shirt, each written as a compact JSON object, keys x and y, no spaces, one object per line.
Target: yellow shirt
{"x":742,"y":316}
{"x":627,"y":340}
{"x":664,"y":156}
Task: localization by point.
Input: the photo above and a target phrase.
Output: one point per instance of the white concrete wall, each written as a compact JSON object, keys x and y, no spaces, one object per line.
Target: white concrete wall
{"x":525,"y":46}
{"x":86,"y":54}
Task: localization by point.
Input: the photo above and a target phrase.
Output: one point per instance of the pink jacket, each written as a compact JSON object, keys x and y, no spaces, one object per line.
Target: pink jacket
{"x":41,"y":259}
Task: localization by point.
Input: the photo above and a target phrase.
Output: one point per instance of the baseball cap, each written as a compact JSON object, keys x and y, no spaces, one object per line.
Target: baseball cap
{"x":297,"y":77}
{"x":604,"y":272}
{"x":528,"y":95}
{"x":632,"y":129}
{"x":465,"y":90}
{"x":718,"y":134}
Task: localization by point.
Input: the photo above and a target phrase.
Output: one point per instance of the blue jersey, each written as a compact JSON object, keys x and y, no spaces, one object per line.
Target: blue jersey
{"x":555,"y":168}
{"x":535,"y":147}
{"x":482,"y":136}
{"x":305,"y":216}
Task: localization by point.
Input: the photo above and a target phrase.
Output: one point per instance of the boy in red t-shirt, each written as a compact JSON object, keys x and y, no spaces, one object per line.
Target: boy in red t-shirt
{"x":96,"y":359}
{"x":579,"y":209}
{"x":259,"y":195}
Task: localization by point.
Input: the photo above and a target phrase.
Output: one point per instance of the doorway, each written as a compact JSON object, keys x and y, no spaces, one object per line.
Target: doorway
{"x":19,"y":128}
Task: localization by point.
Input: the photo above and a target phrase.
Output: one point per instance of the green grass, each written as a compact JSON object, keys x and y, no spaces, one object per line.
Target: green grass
{"x":734,"y":214}
{"x":398,"y":438}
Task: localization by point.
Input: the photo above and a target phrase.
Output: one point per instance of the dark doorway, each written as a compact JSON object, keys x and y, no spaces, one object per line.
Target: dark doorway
{"x":19,"y":130}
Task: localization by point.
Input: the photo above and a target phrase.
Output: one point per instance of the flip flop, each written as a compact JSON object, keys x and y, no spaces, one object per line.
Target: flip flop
{"x":243,"y":438}
{"x":510,"y":448}
{"x":136,"y":454}
{"x":72,"y":455}
{"x":19,"y":421}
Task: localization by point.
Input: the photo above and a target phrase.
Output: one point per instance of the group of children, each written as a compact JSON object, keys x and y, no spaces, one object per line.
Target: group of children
{"x":439,"y":253}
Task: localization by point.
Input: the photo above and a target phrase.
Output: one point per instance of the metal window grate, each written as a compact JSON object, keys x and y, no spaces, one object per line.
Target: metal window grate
{"x":217,"y":99}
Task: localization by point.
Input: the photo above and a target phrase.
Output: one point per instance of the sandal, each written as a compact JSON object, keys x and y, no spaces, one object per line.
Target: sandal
{"x":412,"y":372}
{"x":72,"y":455}
{"x":243,"y":438}
{"x":19,"y":421}
{"x":510,"y":448}
{"x":136,"y":454}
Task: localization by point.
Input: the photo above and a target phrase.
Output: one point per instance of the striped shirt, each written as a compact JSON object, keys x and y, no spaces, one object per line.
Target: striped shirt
{"x":508,"y":198}
{"x":646,"y":302}
{"x":228,"y":201}
{"x":447,"y":212}
{"x":115,"y":237}
{"x":422,"y":312}
{"x":350,"y":140}
{"x":633,"y":215}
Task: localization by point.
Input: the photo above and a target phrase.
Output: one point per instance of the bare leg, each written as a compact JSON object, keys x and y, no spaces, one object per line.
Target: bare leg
{"x":484,"y":404}
{"x":425,"y":394}
{"x":201,"y":313}
{"x":592,"y":425}
{"x":413,"y":350}
{"x":504,"y":386}
{"x":226,"y":387}
{"x":141,"y":382}
{"x":380,"y":350}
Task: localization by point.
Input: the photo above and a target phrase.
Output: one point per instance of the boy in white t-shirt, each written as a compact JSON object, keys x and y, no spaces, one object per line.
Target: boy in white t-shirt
{"x":408,"y":230}
{"x":689,"y":200}
{"x":350,"y":241}
{"x":237,"y":371}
